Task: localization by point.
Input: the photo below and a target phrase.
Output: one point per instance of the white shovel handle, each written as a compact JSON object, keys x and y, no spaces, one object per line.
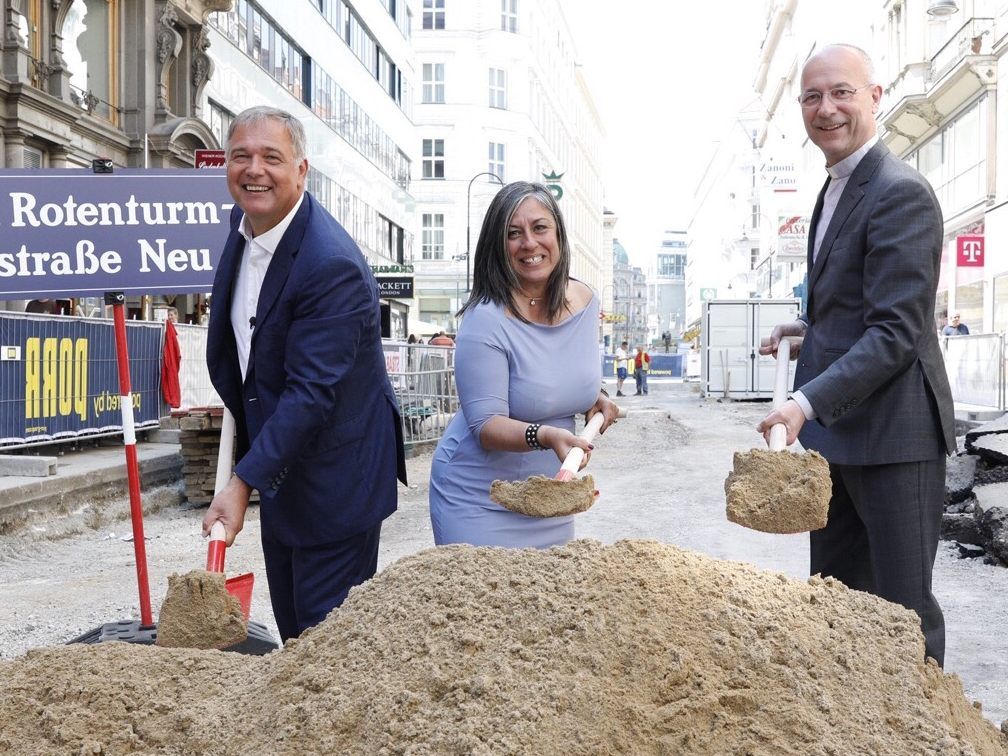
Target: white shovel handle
{"x":778,"y":433}
{"x":572,"y":462}
{"x":225,"y":453}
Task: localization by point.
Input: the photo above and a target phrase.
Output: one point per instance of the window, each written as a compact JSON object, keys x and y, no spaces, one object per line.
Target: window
{"x":432,"y":240}
{"x":433,"y":14}
{"x":91,"y":51}
{"x":509,"y":16}
{"x":954,"y":161}
{"x":433,"y":82}
{"x":498,"y":88}
{"x":220,"y":121}
{"x":496,"y":156}
{"x":433,"y":158}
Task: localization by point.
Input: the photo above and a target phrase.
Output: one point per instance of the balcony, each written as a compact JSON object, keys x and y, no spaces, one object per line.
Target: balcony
{"x":961,"y":69}
{"x":967,"y":42}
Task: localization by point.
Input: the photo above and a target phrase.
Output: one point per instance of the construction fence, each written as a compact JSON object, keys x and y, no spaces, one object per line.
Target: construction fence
{"x":975,"y":365}
{"x":59,"y":379}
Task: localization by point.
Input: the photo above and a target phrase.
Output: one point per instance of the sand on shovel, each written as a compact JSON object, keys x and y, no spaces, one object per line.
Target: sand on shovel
{"x":198,"y":612}
{"x":779,"y":491}
{"x":539,"y":496}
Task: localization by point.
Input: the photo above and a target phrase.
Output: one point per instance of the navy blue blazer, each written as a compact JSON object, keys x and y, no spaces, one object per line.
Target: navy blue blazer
{"x":870,"y":364}
{"x":319,"y":433}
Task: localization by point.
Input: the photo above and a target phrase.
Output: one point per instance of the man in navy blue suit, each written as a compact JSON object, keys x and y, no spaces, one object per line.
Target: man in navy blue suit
{"x":294,"y":350}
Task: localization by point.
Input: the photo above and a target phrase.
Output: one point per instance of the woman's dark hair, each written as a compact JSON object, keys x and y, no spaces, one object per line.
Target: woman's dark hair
{"x":411,"y":339}
{"x":494,"y":279}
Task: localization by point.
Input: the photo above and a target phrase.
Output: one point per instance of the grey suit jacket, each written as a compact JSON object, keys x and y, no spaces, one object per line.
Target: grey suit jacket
{"x":870,"y":364}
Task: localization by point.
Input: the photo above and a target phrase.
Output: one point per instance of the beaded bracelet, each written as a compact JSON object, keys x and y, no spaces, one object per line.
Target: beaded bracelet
{"x":532,"y":436}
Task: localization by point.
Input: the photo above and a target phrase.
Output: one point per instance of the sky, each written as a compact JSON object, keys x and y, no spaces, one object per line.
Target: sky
{"x":668,"y":77}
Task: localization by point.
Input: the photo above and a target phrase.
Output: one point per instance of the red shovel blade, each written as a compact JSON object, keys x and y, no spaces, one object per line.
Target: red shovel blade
{"x":240,"y":587}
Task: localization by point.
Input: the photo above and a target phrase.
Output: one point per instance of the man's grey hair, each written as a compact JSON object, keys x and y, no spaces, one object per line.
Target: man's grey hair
{"x":259,"y":113}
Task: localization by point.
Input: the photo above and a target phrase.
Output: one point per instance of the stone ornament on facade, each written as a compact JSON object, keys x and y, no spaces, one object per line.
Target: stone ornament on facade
{"x":202,"y":68}
{"x":169,"y":44}
{"x":927,"y":112}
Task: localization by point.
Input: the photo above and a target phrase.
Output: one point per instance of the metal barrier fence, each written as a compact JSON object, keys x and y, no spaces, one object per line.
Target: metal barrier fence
{"x":423,"y":378}
{"x":975,"y":365}
{"x":59,"y":379}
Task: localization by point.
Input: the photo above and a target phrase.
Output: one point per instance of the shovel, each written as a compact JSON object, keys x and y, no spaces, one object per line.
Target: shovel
{"x":239,"y":586}
{"x":563,"y":494}
{"x":203,"y":609}
{"x":775,"y":490}
{"x":572,"y":462}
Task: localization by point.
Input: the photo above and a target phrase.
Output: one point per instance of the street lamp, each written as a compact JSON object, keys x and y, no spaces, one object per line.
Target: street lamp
{"x":468,"y":204}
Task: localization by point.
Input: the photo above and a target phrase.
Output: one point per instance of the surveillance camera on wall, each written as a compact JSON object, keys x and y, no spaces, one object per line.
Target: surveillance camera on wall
{"x":101,"y":165}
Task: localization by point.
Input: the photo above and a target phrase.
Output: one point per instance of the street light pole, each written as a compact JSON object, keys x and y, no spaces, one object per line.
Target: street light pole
{"x":468,"y":204}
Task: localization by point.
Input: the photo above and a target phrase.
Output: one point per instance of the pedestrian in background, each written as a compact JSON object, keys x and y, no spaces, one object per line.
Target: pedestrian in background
{"x":955,"y":328}
{"x":442,"y":339}
{"x":295,"y":352}
{"x":620,"y":363}
{"x":871,"y":394}
{"x":642,"y":364}
{"x":526,"y":362}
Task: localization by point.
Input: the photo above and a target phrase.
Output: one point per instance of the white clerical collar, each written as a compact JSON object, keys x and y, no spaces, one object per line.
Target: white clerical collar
{"x":269,"y":240}
{"x":846,"y":167}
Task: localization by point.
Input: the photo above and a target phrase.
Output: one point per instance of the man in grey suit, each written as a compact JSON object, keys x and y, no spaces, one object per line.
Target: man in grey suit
{"x":871,"y":391}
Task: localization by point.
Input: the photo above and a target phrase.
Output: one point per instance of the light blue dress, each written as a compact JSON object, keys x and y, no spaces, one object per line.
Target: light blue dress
{"x":526,"y":371}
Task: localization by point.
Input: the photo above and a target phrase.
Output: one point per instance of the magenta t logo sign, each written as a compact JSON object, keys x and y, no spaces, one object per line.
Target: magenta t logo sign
{"x":970,"y":251}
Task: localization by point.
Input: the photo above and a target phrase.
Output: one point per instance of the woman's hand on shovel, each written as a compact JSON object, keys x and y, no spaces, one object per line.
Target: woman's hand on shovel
{"x":562,"y":441}
{"x":789,"y":415}
{"x":608,"y":408}
{"x":229,"y":507}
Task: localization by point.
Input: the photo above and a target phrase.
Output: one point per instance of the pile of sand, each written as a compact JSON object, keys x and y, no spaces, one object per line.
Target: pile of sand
{"x":779,"y":491}
{"x":638,"y":647}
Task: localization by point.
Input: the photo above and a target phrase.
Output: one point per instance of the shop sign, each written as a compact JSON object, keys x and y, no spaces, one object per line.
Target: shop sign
{"x":792,"y":237}
{"x":395,"y":287}
{"x":970,"y":251}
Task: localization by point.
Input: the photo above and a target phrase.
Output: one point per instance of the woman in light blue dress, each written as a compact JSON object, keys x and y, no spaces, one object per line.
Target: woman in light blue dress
{"x":526,"y":361}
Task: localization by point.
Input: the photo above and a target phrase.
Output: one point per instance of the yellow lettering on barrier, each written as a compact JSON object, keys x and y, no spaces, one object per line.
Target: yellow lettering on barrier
{"x":65,"y":377}
{"x":32,"y":409}
{"x":81,"y":378}
{"x":55,"y":377}
{"x":49,"y":377}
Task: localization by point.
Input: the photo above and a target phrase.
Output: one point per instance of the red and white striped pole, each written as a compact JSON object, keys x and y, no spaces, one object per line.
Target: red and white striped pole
{"x":117,"y":299}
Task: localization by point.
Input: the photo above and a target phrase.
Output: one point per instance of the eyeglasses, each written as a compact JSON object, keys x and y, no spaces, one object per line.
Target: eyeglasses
{"x":813,"y":99}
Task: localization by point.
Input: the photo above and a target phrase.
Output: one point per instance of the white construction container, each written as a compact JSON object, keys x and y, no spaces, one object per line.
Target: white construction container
{"x":730,"y":334}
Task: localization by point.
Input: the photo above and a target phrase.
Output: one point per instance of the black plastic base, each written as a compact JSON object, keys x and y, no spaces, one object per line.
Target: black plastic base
{"x":258,"y":643}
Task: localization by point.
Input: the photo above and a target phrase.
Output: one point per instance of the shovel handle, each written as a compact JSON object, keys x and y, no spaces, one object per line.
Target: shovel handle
{"x":225,"y":454}
{"x":572,"y":462}
{"x":778,"y":433}
{"x":215,"y":550}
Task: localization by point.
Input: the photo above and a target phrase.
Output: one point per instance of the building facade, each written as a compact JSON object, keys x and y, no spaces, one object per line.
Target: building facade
{"x":348,"y":75}
{"x":145,"y":85}
{"x":667,"y":289}
{"x":630,"y":302}
{"x":500,"y":99}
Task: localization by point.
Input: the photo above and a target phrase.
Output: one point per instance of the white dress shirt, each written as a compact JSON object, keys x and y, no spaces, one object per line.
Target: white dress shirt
{"x":255,"y":261}
{"x":839,"y":174}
